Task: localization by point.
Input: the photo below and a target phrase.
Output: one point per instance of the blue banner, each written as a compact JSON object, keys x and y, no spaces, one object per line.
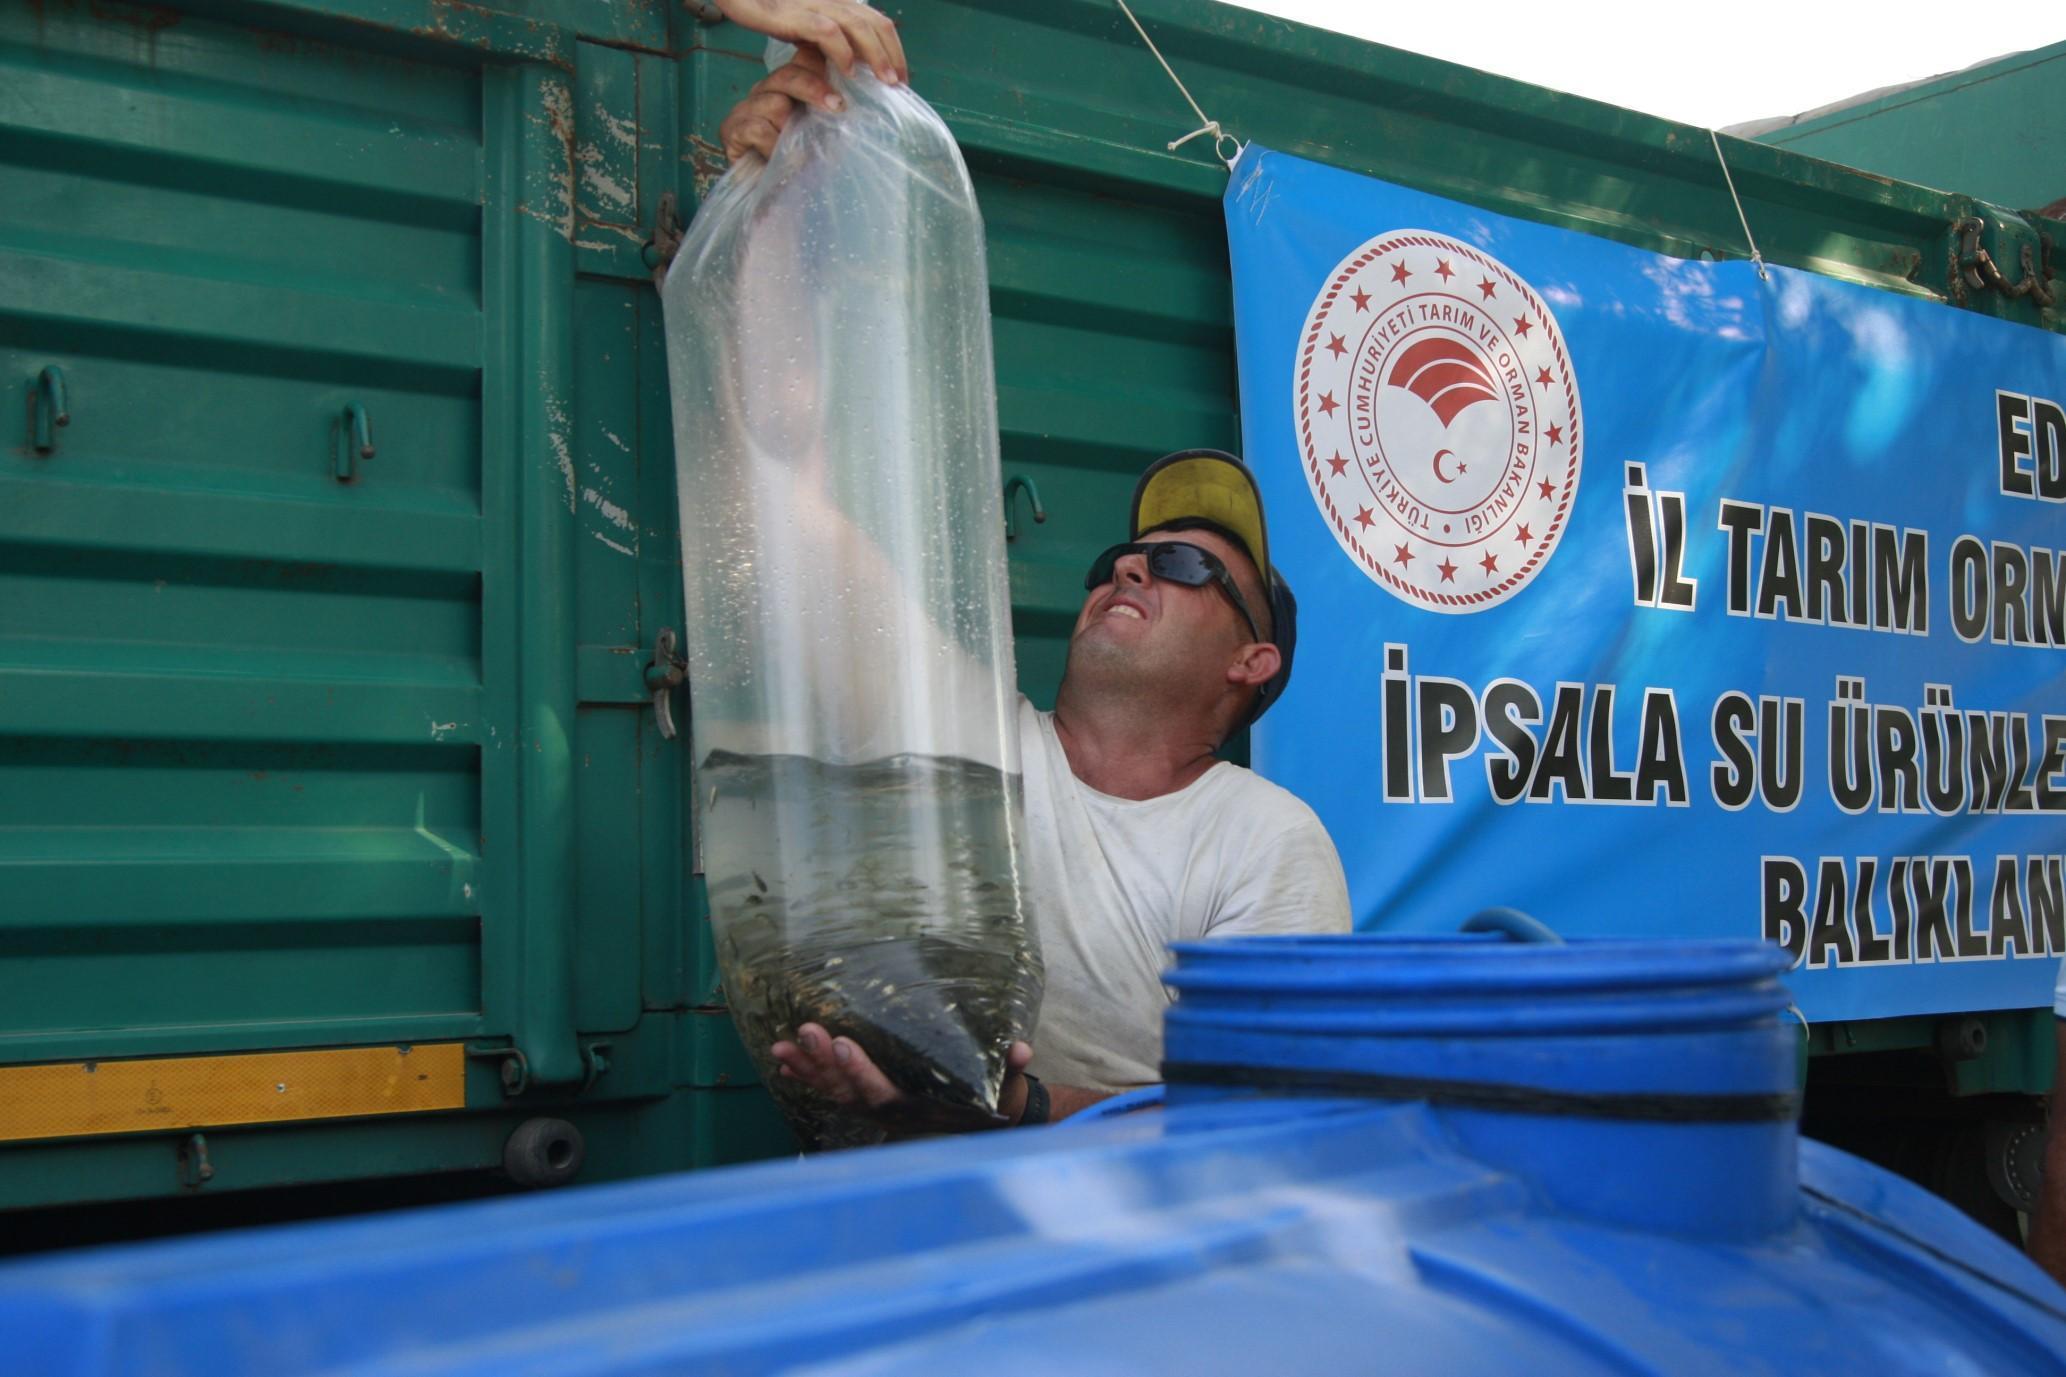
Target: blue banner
{"x":1653,"y":597}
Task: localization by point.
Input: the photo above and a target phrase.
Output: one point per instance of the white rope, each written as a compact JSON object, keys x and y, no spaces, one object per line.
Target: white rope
{"x":1741,"y":218}
{"x":1206,"y":124}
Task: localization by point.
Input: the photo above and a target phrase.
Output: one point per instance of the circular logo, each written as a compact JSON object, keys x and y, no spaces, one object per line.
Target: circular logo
{"x":1437,"y":420}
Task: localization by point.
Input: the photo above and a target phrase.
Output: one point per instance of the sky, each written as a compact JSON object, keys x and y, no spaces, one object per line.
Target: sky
{"x":1710,"y":66}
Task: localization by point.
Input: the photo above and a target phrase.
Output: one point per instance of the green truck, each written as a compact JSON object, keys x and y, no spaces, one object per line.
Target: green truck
{"x":342,"y":822}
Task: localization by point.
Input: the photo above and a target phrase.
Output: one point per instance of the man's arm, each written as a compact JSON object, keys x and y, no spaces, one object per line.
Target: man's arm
{"x":2048,"y":1228}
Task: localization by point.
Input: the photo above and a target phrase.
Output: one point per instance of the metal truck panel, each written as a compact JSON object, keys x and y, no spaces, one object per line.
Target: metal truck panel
{"x":243,"y":796}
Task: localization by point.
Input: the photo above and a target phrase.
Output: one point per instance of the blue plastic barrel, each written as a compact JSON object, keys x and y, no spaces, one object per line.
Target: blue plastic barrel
{"x":1667,"y":1061}
{"x":1430,"y":1157}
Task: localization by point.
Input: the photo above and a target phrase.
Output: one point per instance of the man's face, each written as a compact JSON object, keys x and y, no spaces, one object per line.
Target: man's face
{"x":1141,"y":632}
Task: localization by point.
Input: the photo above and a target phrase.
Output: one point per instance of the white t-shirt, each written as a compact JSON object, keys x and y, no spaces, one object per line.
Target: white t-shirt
{"x":1111,"y":882}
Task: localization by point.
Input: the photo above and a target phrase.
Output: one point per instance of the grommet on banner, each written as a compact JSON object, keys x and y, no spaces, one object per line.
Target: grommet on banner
{"x":1206,"y":124}
{"x":1742,"y":219}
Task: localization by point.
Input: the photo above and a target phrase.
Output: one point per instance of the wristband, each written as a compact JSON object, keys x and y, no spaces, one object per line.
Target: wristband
{"x":1037,"y":1103}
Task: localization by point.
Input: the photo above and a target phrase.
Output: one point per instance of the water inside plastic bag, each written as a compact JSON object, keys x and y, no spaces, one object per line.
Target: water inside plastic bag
{"x":880,"y":900}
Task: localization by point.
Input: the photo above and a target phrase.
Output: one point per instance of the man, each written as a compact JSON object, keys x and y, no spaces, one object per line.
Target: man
{"x":1137,"y":836}
{"x":2048,"y":1228}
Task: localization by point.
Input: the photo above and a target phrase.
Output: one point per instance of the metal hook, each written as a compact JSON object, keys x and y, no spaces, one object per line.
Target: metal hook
{"x":658,"y":252}
{"x":1012,"y":488}
{"x":595,"y":1063}
{"x":354,"y":442}
{"x":48,"y":407}
{"x":1220,"y":138}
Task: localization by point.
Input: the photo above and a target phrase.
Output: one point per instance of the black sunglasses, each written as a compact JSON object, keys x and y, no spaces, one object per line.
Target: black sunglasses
{"x":1176,"y":562}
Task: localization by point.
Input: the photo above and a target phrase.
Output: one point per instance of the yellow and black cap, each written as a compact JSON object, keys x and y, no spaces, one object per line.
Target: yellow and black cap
{"x":1213,"y":490}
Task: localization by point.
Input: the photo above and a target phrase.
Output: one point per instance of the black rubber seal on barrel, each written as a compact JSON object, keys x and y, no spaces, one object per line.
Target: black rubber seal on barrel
{"x":1648,"y":1107}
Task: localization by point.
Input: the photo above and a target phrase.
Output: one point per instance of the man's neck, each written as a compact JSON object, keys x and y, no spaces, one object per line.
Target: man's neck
{"x":1116,"y":753}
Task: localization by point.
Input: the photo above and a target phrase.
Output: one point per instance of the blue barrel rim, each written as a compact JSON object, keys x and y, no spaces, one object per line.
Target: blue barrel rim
{"x":1437,"y":967}
{"x":1516,"y":1028}
{"x":1490,"y":1016}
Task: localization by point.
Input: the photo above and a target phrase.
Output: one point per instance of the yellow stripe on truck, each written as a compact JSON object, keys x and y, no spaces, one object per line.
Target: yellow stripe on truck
{"x":74,"y":1099}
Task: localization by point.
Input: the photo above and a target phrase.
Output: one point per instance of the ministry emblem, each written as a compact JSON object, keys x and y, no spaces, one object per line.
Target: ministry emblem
{"x":1438,"y":420}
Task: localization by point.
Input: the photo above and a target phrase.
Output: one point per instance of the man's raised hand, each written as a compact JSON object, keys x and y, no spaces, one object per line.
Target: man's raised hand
{"x":843,"y":30}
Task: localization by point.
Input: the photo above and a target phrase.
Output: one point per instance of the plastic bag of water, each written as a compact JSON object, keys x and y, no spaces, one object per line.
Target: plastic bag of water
{"x":853,"y":706}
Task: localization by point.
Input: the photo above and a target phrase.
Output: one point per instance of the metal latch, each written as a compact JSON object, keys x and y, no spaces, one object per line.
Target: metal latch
{"x":515,"y":1067}
{"x":195,"y":1170}
{"x":1972,"y":267}
{"x":659,"y":251}
{"x":665,"y":673}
